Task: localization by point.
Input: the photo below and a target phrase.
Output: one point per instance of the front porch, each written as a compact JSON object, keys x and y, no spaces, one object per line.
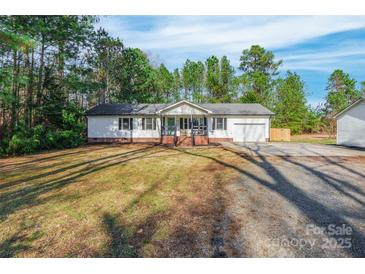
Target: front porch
{"x":184,"y":130}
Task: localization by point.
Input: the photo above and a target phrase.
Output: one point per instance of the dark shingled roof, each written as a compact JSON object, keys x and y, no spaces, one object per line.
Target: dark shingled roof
{"x":145,"y":109}
{"x":125,"y":109}
{"x":241,"y":109}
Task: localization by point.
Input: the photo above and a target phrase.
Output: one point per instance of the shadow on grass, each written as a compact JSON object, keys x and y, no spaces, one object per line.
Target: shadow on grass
{"x":128,"y":242}
{"x":12,"y":245}
{"x":18,"y":242}
{"x":28,"y":196}
{"x":119,"y":247}
{"x":44,"y":159}
{"x":66,"y":168}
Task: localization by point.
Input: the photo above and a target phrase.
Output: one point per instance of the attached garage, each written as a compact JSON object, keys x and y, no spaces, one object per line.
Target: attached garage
{"x":351,"y":125}
{"x":249,"y":132}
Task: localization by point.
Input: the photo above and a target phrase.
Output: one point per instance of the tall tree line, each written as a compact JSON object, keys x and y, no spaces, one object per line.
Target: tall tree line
{"x":52,"y":68}
{"x":39,"y":66}
{"x":44,"y":63}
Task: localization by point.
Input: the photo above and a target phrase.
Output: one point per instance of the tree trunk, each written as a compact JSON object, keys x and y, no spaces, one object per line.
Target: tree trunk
{"x":106,"y":95}
{"x":29,"y":104}
{"x":2,"y":122}
{"x":61,"y":68}
{"x":14,"y":91}
{"x":107,"y":68}
{"x":40,"y":73}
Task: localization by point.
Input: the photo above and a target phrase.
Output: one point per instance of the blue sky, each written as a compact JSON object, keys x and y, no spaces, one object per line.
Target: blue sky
{"x":312,"y":46}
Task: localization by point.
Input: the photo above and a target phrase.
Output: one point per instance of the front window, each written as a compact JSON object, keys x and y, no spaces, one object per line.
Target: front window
{"x":219,"y":123}
{"x":185,"y":123}
{"x":125,"y":123}
{"x":148,"y":123}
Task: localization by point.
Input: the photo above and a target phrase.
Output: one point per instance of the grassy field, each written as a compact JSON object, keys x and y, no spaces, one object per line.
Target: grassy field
{"x":112,"y":201}
{"x":314,"y":139}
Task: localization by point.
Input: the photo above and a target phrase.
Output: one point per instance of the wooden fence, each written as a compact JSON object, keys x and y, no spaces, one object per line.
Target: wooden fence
{"x":280,"y":134}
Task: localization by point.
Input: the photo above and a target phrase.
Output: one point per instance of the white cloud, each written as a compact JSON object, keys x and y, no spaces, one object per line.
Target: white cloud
{"x":229,"y":34}
{"x":176,"y":38}
{"x":173,"y":39}
{"x":344,"y":55}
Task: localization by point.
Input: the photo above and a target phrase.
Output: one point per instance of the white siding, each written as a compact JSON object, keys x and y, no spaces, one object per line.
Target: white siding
{"x":351,"y":127}
{"x":107,"y":127}
{"x":232,"y":120}
{"x":139,"y":133}
{"x":184,"y":109}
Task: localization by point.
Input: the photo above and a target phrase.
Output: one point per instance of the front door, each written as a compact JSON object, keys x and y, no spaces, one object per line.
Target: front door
{"x":171,"y":123}
{"x":185,"y":126}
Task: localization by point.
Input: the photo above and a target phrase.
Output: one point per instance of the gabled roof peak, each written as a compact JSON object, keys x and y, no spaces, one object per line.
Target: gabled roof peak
{"x":184,"y":102}
{"x":349,"y":107}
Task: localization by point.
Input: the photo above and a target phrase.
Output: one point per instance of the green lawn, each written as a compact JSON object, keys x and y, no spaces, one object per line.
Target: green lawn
{"x":112,"y":201}
{"x":313,"y":139}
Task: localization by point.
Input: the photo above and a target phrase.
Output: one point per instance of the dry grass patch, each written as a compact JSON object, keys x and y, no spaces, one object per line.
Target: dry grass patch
{"x":323,"y":139}
{"x":112,"y":201}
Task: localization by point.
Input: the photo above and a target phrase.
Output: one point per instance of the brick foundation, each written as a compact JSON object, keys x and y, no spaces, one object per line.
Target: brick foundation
{"x":124,"y":140}
{"x":168,"y":140}
{"x":201,"y":140}
{"x":109,"y":140}
{"x":146,"y":140}
{"x":218,"y":140}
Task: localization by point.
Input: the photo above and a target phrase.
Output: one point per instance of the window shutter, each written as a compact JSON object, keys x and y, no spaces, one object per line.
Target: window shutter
{"x":120,"y":124}
{"x":154,"y":123}
{"x":143,"y":124}
{"x":225,"y":123}
{"x":131,"y":124}
{"x":213,"y":126}
{"x":181,"y":123}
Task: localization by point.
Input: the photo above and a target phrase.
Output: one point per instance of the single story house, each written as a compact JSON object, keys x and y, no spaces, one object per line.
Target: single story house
{"x":184,"y":123}
{"x":351,"y":125}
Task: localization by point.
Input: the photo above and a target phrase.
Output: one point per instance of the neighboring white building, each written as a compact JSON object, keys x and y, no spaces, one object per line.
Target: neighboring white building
{"x":179,"y":123}
{"x":351,"y":125}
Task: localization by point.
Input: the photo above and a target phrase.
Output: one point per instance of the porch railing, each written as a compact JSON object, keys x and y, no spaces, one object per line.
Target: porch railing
{"x":197,"y":130}
{"x":170,"y":131}
{"x":200,"y":130}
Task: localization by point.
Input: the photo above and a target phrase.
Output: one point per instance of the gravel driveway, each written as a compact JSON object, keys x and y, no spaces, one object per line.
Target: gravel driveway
{"x":296,"y":149}
{"x":297,"y":200}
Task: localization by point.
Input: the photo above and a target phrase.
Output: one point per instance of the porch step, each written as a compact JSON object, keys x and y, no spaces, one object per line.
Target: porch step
{"x":184,"y":141}
{"x":188,"y":140}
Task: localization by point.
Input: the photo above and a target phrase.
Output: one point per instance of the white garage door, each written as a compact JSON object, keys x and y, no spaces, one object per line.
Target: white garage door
{"x":249,"y":133}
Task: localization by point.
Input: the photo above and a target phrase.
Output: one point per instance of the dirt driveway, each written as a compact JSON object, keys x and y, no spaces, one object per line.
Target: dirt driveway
{"x":297,"y":200}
